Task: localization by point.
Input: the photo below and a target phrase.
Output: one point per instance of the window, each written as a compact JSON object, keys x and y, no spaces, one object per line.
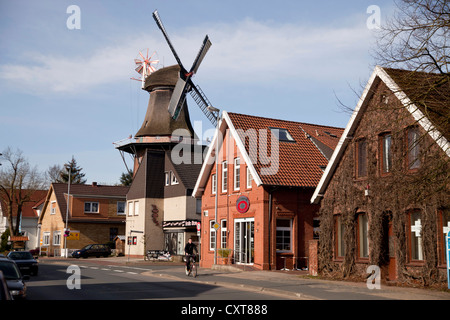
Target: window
{"x":173,"y":178}
{"x":413,"y":158}
{"x":249,"y":178}
{"x":53,"y":207}
{"x":339,"y":236}
{"x":361,"y":160}
{"x":316,"y":227}
{"x":120,"y":208}
{"x":213,"y":183}
{"x":46,"y":239}
{"x":416,"y":236}
{"x":237,"y":174}
{"x":386,"y":153}
{"x":136,"y":208}
{"x":198,"y":206}
{"x":212,"y":235}
{"x":282,"y":134}
{"x":130,"y":208}
{"x":57,"y":238}
{"x":224,"y":176}
{"x":283,"y":243}
{"x":363,"y":225}
{"x":166,"y":178}
{"x":91,"y":207}
{"x":223,"y":233}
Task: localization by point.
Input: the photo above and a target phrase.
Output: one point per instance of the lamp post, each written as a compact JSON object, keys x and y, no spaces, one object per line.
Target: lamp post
{"x":212,"y":109}
{"x":66,"y":251}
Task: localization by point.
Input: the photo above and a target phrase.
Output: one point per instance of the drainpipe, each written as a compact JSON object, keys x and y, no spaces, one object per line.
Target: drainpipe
{"x":270,"y":230}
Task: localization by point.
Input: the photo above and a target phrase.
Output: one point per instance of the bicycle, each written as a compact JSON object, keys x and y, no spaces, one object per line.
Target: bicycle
{"x":192,"y":266}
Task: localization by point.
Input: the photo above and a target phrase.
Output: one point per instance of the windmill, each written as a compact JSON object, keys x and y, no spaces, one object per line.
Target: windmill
{"x":184,"y":83}
{"x":145,"y":66}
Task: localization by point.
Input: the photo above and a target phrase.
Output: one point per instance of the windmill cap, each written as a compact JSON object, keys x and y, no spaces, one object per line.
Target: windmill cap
{"x":163,"y":77}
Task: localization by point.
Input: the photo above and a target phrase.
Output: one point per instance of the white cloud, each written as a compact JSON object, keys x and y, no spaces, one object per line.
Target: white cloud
{"x":248,"y":51}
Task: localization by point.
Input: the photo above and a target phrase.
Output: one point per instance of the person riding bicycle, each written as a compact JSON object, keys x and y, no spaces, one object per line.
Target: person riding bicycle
{"x":189,"y":251}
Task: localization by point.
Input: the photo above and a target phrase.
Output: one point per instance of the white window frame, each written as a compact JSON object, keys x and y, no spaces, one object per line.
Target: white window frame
{"x":130,"y":208}
{"x":212,"y":235}
{"x":223,"y":233}
{"x":45,"y":239}
{"x":166,"y":178}
{"x":57,"y":238}
{"x":213,"y":183}
{"x":237,"y":174}
{"x":249,"y":178}
{"x":136,"y":208}
{"x":290,"y":235}
{"x":91,"y":203}
{"x":53,"y":207}
{"x":173,"y":178}
{"x":224,"y":176}
{"x":124,"y":203}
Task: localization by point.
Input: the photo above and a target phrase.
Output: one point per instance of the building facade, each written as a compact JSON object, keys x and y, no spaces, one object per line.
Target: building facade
{"x":94,"y":214}
{"x":266,"y":171}
{"x":384,"y":195}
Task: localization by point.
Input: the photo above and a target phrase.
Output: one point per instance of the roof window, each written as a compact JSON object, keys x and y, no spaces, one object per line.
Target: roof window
{"x":282,"y":134}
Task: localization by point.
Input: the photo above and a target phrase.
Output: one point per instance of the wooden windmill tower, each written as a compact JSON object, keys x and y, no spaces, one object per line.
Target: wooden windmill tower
{"x":151,"y":147}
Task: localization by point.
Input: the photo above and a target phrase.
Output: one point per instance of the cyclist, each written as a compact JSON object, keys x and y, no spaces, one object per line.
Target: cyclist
{"x":189,"y":251}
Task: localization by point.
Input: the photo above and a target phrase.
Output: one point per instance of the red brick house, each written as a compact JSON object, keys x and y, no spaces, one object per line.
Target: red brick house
{"x":266,"y":173}
{"x":96,"y":214}
{"x":384,"y":195}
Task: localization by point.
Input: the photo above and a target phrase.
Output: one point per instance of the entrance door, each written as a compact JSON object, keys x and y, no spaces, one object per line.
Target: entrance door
{"x":389,"y":263}
{"x":392,"y":268}
{"x":243,"y":240}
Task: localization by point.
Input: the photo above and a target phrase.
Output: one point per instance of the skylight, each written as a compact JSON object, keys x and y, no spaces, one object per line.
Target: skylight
{"x":282,"y":134}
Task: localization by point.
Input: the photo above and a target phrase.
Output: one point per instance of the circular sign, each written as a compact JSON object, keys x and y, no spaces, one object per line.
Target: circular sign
{"x":242,"y":204}
{"x":198,"y":226}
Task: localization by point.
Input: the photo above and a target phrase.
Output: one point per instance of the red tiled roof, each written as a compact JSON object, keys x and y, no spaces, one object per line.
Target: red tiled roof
{"x":36,"y":198}
{"x":301,"y":162}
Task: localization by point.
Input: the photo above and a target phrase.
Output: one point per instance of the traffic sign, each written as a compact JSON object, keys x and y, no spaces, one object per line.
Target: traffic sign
{"x":216,"y":226}
{"x":198,"y":226}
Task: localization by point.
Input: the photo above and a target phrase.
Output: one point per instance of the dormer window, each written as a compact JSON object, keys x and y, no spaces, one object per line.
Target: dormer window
{"x":282,"y":134}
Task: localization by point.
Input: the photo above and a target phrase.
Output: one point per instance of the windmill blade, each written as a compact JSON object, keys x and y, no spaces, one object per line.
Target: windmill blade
{"x":161,"y":26}
{"x":201,"y":54}
{"x":203,"y":102}
{"x":178,"y":97}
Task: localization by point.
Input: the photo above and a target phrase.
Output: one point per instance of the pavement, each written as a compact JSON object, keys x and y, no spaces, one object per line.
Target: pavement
{"x":297,"y":285}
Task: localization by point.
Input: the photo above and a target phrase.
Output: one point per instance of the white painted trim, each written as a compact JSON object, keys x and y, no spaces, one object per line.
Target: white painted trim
{"x":354,"y":121}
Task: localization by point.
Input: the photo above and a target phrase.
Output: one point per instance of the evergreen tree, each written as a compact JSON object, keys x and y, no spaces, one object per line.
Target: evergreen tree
{"x":126,"y":179}
{"x":76,"y":176}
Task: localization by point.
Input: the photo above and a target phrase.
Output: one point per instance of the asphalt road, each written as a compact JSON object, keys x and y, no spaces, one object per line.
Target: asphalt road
{"x":112,"y":282}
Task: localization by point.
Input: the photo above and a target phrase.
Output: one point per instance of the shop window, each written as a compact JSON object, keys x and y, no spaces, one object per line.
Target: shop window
{"x":284,"y":235}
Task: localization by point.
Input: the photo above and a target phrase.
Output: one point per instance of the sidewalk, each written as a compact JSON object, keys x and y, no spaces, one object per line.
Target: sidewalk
{"x":289,"y":284}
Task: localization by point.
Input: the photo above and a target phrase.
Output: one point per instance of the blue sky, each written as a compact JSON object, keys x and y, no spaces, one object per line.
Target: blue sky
{"x":68,"y":92}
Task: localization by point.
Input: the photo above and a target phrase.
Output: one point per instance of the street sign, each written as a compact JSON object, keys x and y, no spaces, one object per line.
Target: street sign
{"x":198,"y":226}
{"x":216,"y":226}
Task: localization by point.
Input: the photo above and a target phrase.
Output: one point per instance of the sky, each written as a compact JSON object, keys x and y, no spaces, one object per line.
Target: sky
{"x":65,"y":76}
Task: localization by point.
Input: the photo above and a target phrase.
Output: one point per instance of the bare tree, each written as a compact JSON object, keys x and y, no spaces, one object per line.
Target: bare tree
{"x":18,"y":182}
{"x":416,"y":38}
{"x":53,"y":173}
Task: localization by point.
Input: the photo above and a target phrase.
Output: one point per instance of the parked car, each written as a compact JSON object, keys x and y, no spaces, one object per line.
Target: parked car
{"x":14,"y":279}
{"x":4,"y":291}
{"x":93,"y":250}
{"x":25,"y":261}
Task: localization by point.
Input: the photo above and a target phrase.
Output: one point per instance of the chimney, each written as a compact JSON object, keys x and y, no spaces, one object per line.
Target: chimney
{"x":94,"y":184}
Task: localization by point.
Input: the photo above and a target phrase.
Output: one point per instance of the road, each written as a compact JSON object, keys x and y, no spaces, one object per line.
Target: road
{"x":118,"y":282}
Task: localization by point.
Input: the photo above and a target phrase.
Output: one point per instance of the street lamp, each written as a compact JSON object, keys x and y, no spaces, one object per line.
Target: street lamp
{"x":212,"y":109}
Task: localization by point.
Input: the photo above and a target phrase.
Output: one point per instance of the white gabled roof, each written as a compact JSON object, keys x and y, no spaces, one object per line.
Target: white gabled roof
{"x":224,"y":124}
{"x":379,"y":74}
